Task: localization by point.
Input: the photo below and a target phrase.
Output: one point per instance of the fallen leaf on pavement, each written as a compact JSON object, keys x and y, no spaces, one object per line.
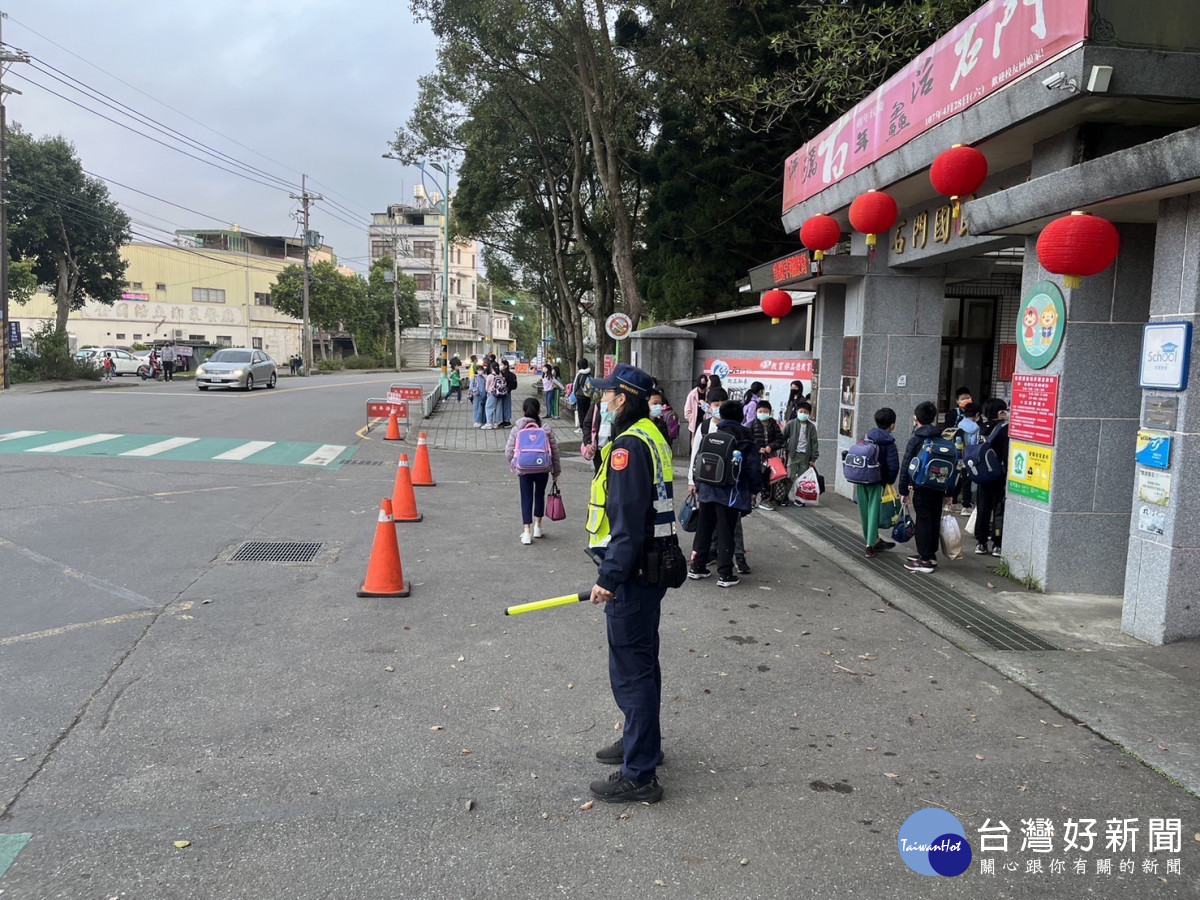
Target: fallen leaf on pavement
{"x":890,"y":775}
{"x":180,"y":845}
{"x":588,"y":805}
{"x":979,"y":756}
{"x":437,"y":728}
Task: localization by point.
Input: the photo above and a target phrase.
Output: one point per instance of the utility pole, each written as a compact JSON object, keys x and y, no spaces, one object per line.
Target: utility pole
{"x":396,"y":290}
{"x":491,"y":320}
{"x":306,"y":200}
{"x":5,"y":58}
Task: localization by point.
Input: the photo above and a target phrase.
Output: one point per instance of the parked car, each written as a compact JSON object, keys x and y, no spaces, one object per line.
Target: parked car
{"x":238,"y":367}
{"x":124,"y":362}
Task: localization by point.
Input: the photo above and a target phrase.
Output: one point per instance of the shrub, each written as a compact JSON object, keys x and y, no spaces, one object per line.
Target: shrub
{"x":53,"y":360}
{"x":361,"y":362}
{"x":329,"y":365}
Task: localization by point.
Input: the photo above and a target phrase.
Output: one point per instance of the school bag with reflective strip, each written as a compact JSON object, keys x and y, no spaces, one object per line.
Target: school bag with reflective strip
{"x":983,"y":463}
{"x":861,"y":465}
{"x":532,"y":452}
{"x":714,"y":459}
{"x":936,"y":465}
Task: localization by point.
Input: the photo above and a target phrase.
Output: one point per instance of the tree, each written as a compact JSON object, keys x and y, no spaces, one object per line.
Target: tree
{"x":63,"y":223}
{"x":335,"y":301}
{"x":378,"y":320}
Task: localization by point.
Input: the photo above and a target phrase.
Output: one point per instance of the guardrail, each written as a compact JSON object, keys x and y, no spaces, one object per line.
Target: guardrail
{"x":430,"y":401}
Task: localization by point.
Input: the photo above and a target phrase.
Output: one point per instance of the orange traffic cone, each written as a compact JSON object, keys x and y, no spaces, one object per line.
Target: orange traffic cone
{"x":404,"y":499}
{"x":393,"y":432}
{"x":385,"y":577}
{"x":422,"y":475}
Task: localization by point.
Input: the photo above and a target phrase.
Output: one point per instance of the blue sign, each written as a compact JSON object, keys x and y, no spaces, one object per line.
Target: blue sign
{"x":1166,"y":355}
{"x":14,"y":335}
{"x":1154,"y":450}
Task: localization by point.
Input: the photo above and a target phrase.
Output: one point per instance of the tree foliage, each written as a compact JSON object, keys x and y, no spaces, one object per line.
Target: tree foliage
{"x":64,"y":231}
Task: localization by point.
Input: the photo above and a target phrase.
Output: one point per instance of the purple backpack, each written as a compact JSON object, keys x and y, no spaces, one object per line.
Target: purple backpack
{"x":532,"y":453}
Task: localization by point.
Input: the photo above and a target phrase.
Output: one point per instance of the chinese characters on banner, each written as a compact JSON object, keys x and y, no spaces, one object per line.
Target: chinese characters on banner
{"x":995,"y":45}
{"x":776,"y":375}
{"x":1034,"y":412}
{"x":1060,"y":851}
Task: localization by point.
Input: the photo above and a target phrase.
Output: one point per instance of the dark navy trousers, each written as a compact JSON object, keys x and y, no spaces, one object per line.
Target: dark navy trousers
{"x":634,"y":673}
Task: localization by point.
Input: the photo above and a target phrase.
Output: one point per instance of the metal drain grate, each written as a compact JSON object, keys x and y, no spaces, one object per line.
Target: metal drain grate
{"x":277,"y":551}
{"x":991,"y":628}
{"x":363,"y":462}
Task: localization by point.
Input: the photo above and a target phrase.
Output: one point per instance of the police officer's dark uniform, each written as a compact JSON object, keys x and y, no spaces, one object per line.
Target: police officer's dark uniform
{"x":631,"y":503}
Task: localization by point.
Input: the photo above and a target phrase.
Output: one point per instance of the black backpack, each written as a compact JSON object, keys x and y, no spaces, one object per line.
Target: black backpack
{"x":715,"y":459}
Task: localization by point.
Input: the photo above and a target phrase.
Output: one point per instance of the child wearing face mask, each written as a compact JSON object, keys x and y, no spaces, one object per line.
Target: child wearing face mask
{"x":768,"y":438}
{"x":800,"y":444}
{"x":664,"y":417}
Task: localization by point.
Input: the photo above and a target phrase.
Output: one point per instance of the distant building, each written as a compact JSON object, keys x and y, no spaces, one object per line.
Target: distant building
{"x":211,"y":290}
{"x":412,"y":234}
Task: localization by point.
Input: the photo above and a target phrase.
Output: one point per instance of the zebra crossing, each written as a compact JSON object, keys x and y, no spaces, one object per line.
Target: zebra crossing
{"x":174,"y":449}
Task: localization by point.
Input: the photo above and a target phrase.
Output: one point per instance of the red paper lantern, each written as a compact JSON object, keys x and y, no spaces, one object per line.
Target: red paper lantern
{"x":1078,"y":246}
{"x":776,"y":304}
{"x":820,"y":233}
{"x":873,"y":213}
{"x":958,"y":172}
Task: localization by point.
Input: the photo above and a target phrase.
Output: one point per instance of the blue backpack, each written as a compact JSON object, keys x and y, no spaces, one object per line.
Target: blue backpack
{"x":983,"y":464}
{"x":936,"y":465}
{"x":861,"y":465}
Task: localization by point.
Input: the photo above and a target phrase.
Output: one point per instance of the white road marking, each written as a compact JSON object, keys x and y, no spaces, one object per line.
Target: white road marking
{"x":160,"y":447}
{"x":99,"y":584}
{"x":17,"y":435}
{"x":324,"y":456}
{"x":245,"y":450}
{"x":72,"y":444}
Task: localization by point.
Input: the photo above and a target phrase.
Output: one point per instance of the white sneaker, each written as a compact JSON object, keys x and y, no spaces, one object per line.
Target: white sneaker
{"x":537,"y":531}
{"x":488,"y":427}
{"x":478,"y":425}
{"x":525,"y":538}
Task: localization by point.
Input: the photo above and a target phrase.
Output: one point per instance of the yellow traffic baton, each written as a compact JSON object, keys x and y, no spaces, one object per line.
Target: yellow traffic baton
{"x":547,"y":604}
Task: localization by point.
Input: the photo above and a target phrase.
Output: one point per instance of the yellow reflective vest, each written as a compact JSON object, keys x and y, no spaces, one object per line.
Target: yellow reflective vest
{"x":598,"y":526}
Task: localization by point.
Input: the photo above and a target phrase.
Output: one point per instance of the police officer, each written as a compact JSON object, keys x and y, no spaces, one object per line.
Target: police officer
{"x":630,"y":505}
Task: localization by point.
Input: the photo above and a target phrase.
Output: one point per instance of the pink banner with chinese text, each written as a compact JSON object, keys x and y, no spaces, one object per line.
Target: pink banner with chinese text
{"x":996,"y":45}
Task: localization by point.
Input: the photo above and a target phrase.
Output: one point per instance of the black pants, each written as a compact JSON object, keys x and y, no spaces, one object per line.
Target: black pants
{"x":168,"y":369}
{"x":583,"y":406}
{"x":989,"y":512}
{"x":721,"y":519}
{"x":927,"y":510}
{"x":635,"y":675}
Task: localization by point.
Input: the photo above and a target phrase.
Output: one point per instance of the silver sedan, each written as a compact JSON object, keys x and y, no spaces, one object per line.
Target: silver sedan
{"x":236,"y":367}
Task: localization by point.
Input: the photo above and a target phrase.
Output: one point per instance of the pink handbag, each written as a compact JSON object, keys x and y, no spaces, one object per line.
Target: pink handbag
{"x":555,"y":510}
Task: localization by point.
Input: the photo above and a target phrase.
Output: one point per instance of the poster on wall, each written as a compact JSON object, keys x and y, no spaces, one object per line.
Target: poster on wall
{"x":1153,"y":449}
{"x":1154,"y":487}
{"x":776,"y":375}
{"x":1041,"y":325}
{"x":1166,"y":355}
{"x":1152,"y":519}
{"x":1033,"y":412}
{"x":1030,"y":468}
{"x":846,"y":423}
{"x":849,"y":391}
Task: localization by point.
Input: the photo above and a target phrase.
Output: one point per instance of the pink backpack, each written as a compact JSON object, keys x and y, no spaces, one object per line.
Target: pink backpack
{"x":532,"y":453}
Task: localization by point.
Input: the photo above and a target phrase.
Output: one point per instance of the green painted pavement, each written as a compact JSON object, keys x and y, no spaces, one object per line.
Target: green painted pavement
{"x":10,"y":846}
{"x":110,"y":445}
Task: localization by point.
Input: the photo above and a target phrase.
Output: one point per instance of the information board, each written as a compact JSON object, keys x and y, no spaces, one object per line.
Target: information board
{"x":1034,"y":409}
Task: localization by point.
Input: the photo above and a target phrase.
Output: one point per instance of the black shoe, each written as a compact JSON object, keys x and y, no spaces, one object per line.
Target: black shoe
{"x":614,"y":753}
{"x":698,"y":572}
{"x":996,"y":551}
{"x":871,"y":553}
{"x":880,"y":546}
{"x":742,"y":565}
{"x":618,"y":788}
{"x":981,"y":549}
{"x":728,"y":581}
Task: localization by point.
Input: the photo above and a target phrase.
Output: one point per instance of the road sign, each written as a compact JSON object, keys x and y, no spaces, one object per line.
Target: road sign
{"x":406,"y":391}
{"x":618,"y":326}
{"x":381,"y":409}
{"x":14,"y":335}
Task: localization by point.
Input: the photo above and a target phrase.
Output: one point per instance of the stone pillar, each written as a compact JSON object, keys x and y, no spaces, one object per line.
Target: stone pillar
{"x":1161,"y":574}
{"x":668,"y":354}
{"x":829,"y":312}
{"x":1078,"y":541}
{"x":897,"y":316}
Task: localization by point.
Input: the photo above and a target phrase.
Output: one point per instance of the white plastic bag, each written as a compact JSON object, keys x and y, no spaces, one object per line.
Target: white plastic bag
{"x":969,"y":528}
{"x":950,"y":537}
{"x":808,"y":488}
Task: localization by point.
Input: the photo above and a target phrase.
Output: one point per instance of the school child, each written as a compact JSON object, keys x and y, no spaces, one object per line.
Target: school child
{"x":968,"y":425}
{"x":800,"y":445}
{"x":989,"y":516}
{"x":870,"y":496}
{"x":768,"y":438}
{"x":926,"y":503}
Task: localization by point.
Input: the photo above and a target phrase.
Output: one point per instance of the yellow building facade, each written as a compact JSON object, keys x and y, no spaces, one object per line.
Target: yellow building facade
{"x":191,"y":295}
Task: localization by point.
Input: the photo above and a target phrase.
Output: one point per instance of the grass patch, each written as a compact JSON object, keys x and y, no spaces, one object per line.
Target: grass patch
{"x":1027,"y":581}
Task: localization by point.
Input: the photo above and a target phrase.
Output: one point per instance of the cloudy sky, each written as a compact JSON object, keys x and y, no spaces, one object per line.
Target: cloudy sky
{"x":313,"y":86}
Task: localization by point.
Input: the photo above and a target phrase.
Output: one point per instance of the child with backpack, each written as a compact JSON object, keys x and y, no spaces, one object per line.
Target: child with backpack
{"x":930,"y":471}
{"x":987,"y":466}
{"x":968,"y":425}
{"x":800,"y":445}
{"x":456,"y":382}
{"x":532,"y":450}
{"x":872,"y":464}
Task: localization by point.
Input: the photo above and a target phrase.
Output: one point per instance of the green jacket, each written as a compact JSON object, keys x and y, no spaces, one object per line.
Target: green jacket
{"x":791,"y":440}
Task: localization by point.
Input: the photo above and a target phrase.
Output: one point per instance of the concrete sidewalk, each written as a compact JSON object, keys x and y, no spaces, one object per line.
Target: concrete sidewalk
{"x":1143,"y":698}
{"x":450,"y":426}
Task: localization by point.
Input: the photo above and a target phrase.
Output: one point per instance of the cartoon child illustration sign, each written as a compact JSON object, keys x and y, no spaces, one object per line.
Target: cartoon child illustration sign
{"x":1042,"y":325}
